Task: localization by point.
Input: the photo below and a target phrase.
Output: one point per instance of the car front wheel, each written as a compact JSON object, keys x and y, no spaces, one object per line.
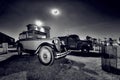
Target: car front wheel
{"x":45,"y":55}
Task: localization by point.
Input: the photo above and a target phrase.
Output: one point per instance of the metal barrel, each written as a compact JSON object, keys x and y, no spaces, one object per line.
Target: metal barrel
{"x":109,"y":58}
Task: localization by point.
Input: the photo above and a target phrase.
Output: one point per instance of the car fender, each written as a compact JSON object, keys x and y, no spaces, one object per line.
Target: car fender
{"x":44,"y":44}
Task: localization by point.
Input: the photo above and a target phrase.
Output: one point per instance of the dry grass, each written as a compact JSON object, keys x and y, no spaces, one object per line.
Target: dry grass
{"x":15,"y":76}
{"x":70,"y":68}
{"x":62,"y":69}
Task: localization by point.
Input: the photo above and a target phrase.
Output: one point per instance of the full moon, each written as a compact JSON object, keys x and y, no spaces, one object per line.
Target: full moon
{"x":55,"y":12}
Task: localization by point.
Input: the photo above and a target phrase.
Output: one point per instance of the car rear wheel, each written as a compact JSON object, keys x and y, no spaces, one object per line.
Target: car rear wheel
{"x":19,"y":49}
{"x":45,"y":55}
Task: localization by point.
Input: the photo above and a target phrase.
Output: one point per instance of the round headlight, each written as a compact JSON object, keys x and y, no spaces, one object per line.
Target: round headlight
{"x":63,"y":43}
{"x":57,"y":44}
{"x":56,"y":41}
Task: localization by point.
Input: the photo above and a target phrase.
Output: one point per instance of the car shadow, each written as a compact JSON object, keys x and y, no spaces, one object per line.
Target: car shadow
{"x":34,"y":69}
{"x":90,"y":54}
{"x":111,"y":69}
{"x":12,"y":50}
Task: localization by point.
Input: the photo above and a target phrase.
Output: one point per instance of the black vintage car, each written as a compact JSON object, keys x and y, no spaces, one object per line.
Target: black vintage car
{"x":73,"y":42}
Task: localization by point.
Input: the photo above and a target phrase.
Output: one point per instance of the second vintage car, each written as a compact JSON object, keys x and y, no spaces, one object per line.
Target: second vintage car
{"x":73,"y":43}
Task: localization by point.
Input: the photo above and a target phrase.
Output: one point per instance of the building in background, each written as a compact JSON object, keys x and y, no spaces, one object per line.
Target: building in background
{"x":6,"y":40}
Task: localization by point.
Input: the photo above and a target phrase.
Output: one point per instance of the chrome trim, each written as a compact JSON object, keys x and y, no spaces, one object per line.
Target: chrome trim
{"x":59,"y":55}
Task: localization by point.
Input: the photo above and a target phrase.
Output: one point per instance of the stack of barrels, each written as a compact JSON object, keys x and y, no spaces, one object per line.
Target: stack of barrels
{"x":110,"y":58}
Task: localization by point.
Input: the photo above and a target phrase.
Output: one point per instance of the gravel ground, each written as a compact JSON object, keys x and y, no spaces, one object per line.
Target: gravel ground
{"x":6,"y":56}
{"x":72,"y":67}
{"x":62,"y":69}
{"x":93,"y":67}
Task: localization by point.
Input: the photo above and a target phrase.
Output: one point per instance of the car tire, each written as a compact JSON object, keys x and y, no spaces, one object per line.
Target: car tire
{"x":88,"y":50}
{"x":19,"y":49}
{"x":84,"y":50}
{"x":46,"y":55}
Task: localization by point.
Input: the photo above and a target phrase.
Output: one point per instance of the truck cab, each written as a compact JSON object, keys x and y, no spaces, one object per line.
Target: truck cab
{"x":73,"y":42}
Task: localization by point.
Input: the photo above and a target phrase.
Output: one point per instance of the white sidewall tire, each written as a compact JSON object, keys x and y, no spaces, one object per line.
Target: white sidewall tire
{"x":46,"y":56}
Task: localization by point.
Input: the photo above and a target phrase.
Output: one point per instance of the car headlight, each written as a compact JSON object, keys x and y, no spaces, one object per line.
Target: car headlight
{"x":56,"y":41}
{"x":63,"y":43}
{"x":57,"y":44}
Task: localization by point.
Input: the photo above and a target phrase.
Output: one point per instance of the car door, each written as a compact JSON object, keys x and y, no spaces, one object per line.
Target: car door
{"x":72,"y":42}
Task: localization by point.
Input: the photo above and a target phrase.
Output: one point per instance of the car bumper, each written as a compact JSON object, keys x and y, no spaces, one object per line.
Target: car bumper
{"x":59,"y":55}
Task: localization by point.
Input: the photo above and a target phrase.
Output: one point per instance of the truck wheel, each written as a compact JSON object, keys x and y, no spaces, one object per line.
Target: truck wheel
{"x":88,"y":50}
{"x":46,"y":56}
{"x":19,"y":49}
{"x":85,"y":50}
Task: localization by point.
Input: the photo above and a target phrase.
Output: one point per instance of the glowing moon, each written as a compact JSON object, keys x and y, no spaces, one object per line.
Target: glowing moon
{"x":55,"y":12}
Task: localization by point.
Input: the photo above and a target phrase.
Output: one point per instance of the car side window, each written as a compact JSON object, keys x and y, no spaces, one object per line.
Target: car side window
{"x":30,"y":35}
{"x":22,"y":36}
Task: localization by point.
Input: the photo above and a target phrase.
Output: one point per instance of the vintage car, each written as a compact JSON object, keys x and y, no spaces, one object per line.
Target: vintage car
{"x":73,"y":43}
{"x":37,"y":41}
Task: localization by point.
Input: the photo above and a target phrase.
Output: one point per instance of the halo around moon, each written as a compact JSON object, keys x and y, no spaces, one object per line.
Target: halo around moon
{"x":55,"y":12}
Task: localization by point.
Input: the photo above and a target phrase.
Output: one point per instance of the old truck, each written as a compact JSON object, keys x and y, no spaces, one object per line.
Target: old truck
{"x":36,"y":40}
{"x":73,"y":43}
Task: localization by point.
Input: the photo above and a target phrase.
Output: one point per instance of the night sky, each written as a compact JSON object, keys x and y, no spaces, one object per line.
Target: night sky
{"x":96,"y":18}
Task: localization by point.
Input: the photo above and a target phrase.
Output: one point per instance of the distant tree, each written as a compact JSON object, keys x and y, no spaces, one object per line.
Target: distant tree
{"x":88,"y":38}
{"x":99,"y":42}
{"x":111,"y":41}
{"x":105,"y":41}
{"x":119,"y":39}
{"x":94,"y":40}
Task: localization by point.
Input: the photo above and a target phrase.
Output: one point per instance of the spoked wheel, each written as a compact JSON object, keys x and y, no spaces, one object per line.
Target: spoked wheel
{"x":19,"y":49}
{"x":45,"y":55}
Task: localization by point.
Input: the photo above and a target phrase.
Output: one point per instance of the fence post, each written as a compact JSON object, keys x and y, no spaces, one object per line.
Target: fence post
{"x":5,"y":47}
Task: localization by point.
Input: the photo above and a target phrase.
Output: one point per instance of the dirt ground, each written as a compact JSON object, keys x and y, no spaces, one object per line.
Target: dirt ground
{"x":73,"y":67}
{"x":93,"y":67}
